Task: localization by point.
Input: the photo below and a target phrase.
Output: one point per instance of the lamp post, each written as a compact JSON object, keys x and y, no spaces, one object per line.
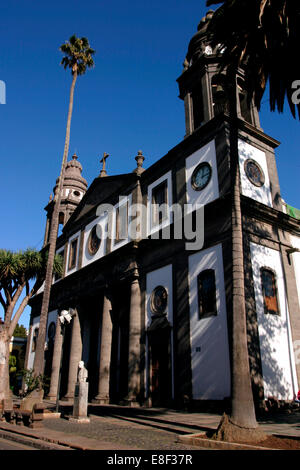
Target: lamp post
{"x":65,"y":316}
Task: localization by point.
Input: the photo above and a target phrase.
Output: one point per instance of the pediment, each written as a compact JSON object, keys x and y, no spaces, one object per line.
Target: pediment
{"x":102,"y":190}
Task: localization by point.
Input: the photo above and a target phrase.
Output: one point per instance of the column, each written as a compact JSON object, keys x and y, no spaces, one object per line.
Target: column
{"x":57,"y":352}
{"x":134,"y":343}
{"x":75,"y":357}
{"x":105,"y":354}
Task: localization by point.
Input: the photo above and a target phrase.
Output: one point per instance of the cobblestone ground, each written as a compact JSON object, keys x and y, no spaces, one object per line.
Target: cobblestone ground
{"x":115,"y":431}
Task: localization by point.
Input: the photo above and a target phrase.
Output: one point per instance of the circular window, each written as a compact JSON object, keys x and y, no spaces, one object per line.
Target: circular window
{"x":201,"y":176}
{"x":94,"y":241}
{"x":51,"y":330}
{"x":254,"y":173}
{"x":159,"y":300}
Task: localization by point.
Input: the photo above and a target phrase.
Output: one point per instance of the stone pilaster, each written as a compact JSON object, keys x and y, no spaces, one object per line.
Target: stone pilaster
{"x":75,"y":357}
{"x":105,"y":354}
{"x":134,"y":342}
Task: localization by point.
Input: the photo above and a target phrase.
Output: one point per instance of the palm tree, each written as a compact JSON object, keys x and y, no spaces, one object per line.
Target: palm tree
{"x":17,"y":270}
{"x":78,"y":56}
{"x":263,"y":37}
{"x":255,"y":36}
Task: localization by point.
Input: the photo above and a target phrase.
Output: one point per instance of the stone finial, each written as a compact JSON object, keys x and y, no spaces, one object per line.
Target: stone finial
{"x":139,"y":160}
{"x":103,"y":161}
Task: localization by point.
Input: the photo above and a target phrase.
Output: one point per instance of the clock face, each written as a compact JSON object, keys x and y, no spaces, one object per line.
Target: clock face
{"x":159,"y":300}
{"x":254,"y":173}
{"x":201,"y":176}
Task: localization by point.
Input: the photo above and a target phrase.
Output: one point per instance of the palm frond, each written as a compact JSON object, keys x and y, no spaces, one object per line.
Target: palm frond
{"x":261,"y":36}
{"x":78,"y":54}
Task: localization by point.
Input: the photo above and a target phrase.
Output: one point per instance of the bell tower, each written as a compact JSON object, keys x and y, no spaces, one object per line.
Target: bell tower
{"x":74,"y":188}
{"x":203,"y":88}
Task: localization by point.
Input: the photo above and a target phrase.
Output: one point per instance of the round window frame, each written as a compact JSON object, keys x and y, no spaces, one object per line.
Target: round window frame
{"x":153,"y":307}
{"x":201,"y":165}
{"x":262,"y":174}
{"x":93,"y":232}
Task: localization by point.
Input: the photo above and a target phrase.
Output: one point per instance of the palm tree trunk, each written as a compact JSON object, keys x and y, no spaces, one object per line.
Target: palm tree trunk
{"x":242,"y":422}
{"x":243,"y":412}
{"x":39,"y":353}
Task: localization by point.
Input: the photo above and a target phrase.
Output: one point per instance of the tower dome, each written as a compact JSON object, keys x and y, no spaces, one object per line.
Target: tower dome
{"x":74,"y":182}
{"x":74,"y":188}
{"x":198,"y":44}
{"x":74,"y":185}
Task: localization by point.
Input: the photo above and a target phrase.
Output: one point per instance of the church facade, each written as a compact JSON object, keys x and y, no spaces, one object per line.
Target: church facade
{"x":148,"y":259}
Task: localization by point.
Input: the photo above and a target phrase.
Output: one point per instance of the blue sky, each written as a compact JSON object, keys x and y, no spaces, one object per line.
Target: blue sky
{"x":129,"y":101}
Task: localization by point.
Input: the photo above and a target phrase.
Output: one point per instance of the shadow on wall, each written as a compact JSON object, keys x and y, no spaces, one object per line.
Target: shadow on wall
{"x":273,"y":329}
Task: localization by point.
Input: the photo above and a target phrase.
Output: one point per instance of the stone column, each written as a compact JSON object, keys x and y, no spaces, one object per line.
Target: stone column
{"x":57,"y":352}
{"x":134,"y":342}
{"x":75,"y":357}
{"x":105,"y":354}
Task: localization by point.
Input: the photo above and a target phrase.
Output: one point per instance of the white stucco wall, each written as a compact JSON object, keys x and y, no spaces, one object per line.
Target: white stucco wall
{"x":261,"y":194}
{"x":211,"y":192}
{"x":86,"y":257}
{"x":159,"y":277}
{"x":278,"y":366}
{"x":209,"y":336}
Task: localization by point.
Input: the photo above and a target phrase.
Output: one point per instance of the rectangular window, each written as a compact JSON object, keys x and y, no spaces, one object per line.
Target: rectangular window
{"x":207,"y":305}
{"x":73,"y":254}
{"x":159,"y":203}
{"x":269,"y":290}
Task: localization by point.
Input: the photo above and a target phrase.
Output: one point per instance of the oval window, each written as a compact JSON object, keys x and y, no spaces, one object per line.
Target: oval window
{"x":51,"y":330}
{"x":159,"y":300}
{"x":94,"y":241}
{"x":254,"y":173}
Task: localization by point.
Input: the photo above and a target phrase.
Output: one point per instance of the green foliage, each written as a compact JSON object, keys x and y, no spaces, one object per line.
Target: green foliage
{"x":20,"y":331}
{"x":16,"y":365}
{"x":78,"y":54}
{"x":58,"y":264}
{"x":33,"y":382}
{"x":24,"y":265}
{"x":10,"y":264}
{"x":263,"y":37}
{"x":12,"y":364}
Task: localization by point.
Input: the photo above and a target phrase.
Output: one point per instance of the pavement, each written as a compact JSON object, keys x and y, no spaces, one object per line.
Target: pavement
{"x":121,"y":428}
